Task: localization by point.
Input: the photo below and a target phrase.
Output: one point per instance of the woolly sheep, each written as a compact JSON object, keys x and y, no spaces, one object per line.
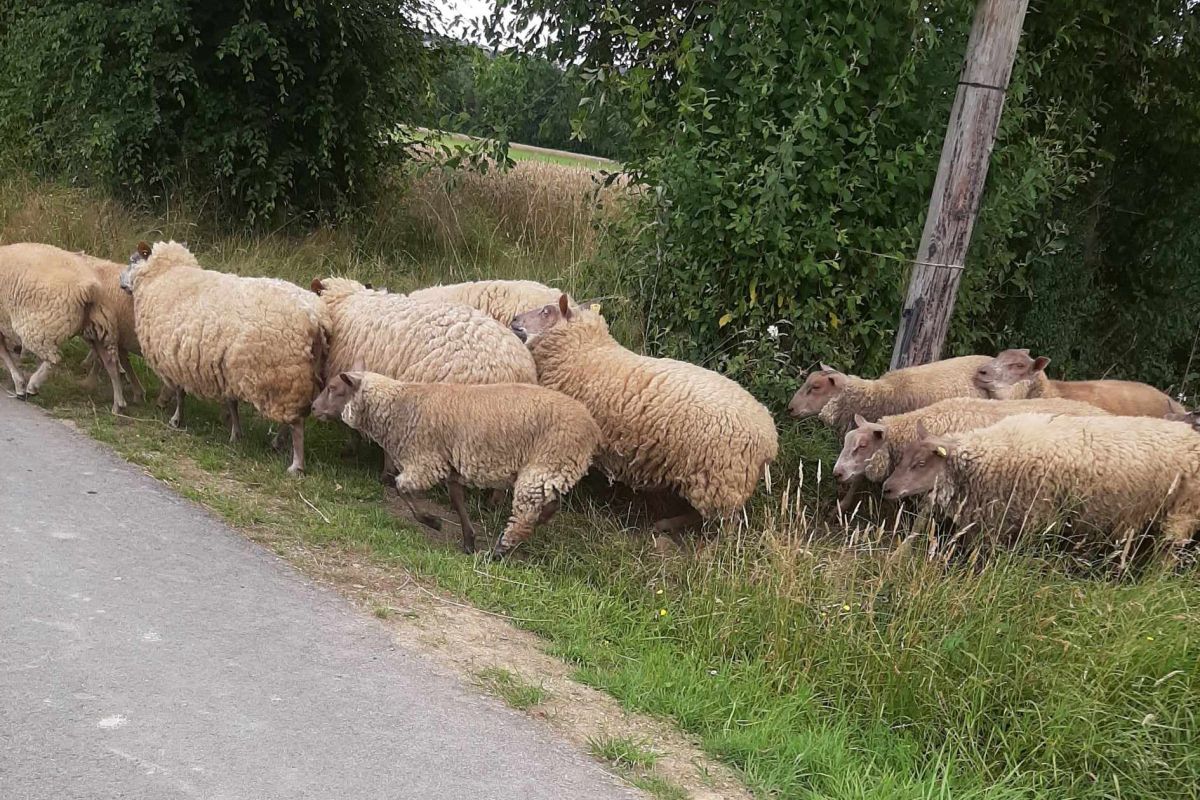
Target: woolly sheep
{"x":1014,"y":374}
{"x":500,"y":300}
{"x":835,"y":398}
{"x":1115,"y":474}
{"x":667,"y":424}
{"x":47,"y":296}
{"x":494,"y":436}
{"x":116,"y":305}
{"x":229,"y":338}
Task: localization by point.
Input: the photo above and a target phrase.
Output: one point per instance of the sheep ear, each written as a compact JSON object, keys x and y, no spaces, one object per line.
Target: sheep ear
{"x":317,"y":286}
{"x":359,"y":365}
{"x":823,"y":367}
{"x":143,"y":249}
{"x":1040,"y":363}
{"x":879,"y":432}
{"x":922,"y":433}
{"x":859,"y":420}
{"x":368,"y":286}
{"x":564,"y":306}
{"x":353,"y":380}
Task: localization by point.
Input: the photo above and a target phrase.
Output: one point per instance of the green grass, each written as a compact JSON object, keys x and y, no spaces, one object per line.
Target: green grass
{"x":523,"y":152}
{"x":819,"y":663}
{"x":517,"y":693}
{"x":624,"y":752}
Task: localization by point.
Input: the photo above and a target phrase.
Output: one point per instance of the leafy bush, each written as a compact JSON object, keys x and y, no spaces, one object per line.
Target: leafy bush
{"x":277,"y":106}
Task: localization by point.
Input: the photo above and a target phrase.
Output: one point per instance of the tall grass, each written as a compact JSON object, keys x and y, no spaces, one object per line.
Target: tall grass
{"x":822,"y":661}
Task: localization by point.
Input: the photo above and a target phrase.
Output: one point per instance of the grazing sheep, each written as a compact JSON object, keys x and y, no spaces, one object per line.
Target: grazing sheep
{"x":1013,"y":375}
{"x":836,"y":397}
{"x":1114,"y":474}
{"x":667,"y":424}
{"x":493,"y":436}
{"x":500,"y":300}
{"x":229,"y":338}
{"x":47,"y":296}
{"x":411,"y":340}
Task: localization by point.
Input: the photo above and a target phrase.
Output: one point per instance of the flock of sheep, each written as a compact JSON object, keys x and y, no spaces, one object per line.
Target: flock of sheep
{"x":439,"y":380}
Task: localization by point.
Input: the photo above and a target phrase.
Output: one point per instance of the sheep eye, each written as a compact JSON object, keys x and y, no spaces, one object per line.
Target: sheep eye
{"x":545,"y":312}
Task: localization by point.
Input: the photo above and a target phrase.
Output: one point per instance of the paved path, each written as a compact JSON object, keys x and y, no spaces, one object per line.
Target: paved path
{"x":148,"y":651}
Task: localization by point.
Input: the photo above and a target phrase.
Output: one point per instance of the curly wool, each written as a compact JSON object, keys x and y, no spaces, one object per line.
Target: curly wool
{"x":410,"y":340}
{"x":113,"y":308}
{"x":903,"y":390}
{"x":536,"y":440}
{"x":1123,"y":398}
{"x":1108,"y":473}
{"x":500,"y":300}
{"x":46,"y":295}
{"x":957,"y":415}
{"x":225,"y":337}
{"x":666,"y":423}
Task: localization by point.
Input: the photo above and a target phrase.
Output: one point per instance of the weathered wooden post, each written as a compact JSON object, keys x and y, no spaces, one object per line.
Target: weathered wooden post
{"x":961,"y":174}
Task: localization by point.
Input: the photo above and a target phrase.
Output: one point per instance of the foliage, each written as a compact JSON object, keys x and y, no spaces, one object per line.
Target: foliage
{"x":276,"y":106}
{"x":792,"y":149}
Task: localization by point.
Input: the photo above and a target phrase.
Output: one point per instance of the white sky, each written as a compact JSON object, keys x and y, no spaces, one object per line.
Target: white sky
{"x":469,"y":10}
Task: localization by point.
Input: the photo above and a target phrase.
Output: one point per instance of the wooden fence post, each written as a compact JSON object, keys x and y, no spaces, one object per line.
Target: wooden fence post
{"x":961,"y":174}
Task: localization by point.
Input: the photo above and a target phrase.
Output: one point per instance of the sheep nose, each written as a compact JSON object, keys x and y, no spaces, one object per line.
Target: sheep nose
{"x":839,"y":473}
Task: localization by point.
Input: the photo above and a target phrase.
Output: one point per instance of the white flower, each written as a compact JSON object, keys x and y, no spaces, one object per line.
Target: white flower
{"x":773,"y":331}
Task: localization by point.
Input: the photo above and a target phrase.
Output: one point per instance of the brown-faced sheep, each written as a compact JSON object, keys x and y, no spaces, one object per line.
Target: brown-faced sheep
{"x":500,"y":300}
{"x":666,"y":424}
{"x":229,"y":338}
{"x":836,"y":398}
{"x":538,"y":441}
{"x":1014,"y":374}
{"x":1117,"y":475}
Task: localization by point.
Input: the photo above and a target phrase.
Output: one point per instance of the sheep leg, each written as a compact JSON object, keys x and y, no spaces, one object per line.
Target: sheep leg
{"x":530,"y":505}
{"x":458,"y":500}
{"x":10,"y":361}
{"x":176,"y":420}
{"x":674,"y":525}
{"x":297,"y":467}
{"x":235,"y":420}
{"x":389,"y":474}
{"x":136,"y":390}
{"x":39,"y":377}
{"x":165,"y":395}
{"x":497,"y":497}
{"x":92,"y":380}
{"x":848,"y":500}
{"x":108,"y":357}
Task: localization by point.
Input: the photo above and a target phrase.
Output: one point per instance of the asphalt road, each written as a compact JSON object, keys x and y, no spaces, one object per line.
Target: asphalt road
{"x":148,"y":651}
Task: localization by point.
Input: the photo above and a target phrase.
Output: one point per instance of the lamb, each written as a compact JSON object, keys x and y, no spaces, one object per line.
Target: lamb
{"x":500,"y":300}
{"x":229,"y":338}
{"x":1116,"y":474}
{"x":535,"y":440}
{"x":835,"y":398}
{"x":1013,"y":375}
{"x":667,"y":425}
{"x":47,"y":296}
{"x":412,"y":340}
{"x":116,"y":306}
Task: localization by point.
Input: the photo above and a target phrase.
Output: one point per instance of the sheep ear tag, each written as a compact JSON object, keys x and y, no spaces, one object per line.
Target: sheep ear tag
{"x":594,"y":308}
{"x":941,"y":451}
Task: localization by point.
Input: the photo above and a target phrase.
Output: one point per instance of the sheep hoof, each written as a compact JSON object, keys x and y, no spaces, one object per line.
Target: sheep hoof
{"x":295,"y":471}
{"x":429,"y":520}
{"x":22,"y":396}
{"x":468,"y":547}
{"x":387,"y":479}
{"x":500,"y":551}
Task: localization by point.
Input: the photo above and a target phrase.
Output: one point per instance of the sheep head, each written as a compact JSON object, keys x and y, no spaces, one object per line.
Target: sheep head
{"x":531,"y":324}
{"x":819,"y":388}
{"x":332,"y":401}
{"x":862,"y":442}
{"x":920,"y":466}
{"x":1007,"y":369}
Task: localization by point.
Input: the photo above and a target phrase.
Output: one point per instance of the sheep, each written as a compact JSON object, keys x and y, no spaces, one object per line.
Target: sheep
{"x":538,"y":441}
{"x":500,"y":300}
{"x":1187,"y":417}
{"x":1032,"y":470}
{"x":47,"y":296}
{"x":229,"y":338}
{"x":835,"y":398}
{"x":117,"y":307}
{"x":1014,"y":374}
{"x":667,"y":425}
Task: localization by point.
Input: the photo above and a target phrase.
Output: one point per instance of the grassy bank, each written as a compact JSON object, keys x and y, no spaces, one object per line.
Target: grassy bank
{"x":833,"y":666}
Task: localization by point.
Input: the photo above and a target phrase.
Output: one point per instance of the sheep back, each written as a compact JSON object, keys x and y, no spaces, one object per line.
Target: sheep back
{"x":904,"y":390}
{"x":500,"y":300}
{"x":1123,"y":398}
{"x":45,"y":297}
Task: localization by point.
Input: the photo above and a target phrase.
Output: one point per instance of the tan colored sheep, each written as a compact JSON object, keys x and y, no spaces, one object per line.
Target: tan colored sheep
{"x":115,"y":306}
{"x":47,"y":296}
{"x":667,"y":424}
{"x":493,"y":436}
{"x":836,"y":398}
{"x":500,"y":300}
{"x":229,"y":338}
{"x":1117,"y":475}
{"x":1014,"y":374}
{"x":411,"y":340}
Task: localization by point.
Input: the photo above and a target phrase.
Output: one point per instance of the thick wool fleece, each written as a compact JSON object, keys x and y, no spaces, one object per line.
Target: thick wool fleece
{"x":1107,"y":473}
{"x":410,"y":340}
{"x":956,"y":415}
{"x":113,"y":308}
{"x":904,"y":390}
{"x":45,"y":297}
{"x":1123,"y":398}
{"x":666,"y":424}
{"x":225,"y":337}
{"x":500,"y":300}
{"x":538,"y":441}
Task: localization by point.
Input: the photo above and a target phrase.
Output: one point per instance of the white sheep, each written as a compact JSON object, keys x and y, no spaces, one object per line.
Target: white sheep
{"x":667,"y":425}
{"x":500,"y":300}
{"x":229,"y":338}
{"x":1031,"y":471}
{"x":836,"y":397}
{"x":538,"y":441}
{"x":1014,"y":374}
